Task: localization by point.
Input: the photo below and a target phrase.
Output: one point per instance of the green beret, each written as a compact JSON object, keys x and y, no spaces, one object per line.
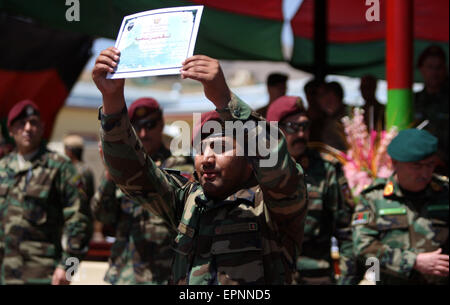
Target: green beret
{"x":411,"y":145}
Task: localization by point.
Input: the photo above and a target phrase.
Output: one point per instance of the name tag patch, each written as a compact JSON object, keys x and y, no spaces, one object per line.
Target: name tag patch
{"x":392,"y":211}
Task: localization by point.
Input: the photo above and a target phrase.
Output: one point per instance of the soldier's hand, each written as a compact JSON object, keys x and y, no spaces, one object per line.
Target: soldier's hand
{"x":432,"y":263}
{"x":111,"y":89}
{"x":207,"y":70}
{"x":59,"y":277}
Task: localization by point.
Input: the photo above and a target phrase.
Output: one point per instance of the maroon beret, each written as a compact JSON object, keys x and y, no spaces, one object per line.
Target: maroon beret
{"x":24,"y":108}
{"x":283,"y":107}
{"x":142,"y":107}
{"x":205,"y":117}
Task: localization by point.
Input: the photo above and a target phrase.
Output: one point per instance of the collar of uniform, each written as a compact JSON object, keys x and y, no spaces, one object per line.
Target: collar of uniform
{"x":35,"y":160}
{"x":397,"y":191}
{"x":241,"y":195}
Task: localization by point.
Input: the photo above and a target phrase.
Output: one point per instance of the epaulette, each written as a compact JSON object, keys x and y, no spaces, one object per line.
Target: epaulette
{"x":329,"y":157}
{"x":439,"y":183}
{"x":176,"y":176}
{"x":440,"y":178}
{"x":377,"y":184}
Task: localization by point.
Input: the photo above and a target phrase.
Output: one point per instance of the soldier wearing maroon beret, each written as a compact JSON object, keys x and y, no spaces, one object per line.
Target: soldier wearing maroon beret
{"x":45,"y":218}
{"x":327,"y":215}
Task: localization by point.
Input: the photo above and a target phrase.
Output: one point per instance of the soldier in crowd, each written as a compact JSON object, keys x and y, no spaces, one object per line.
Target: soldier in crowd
{"x":327,"y":187}
{"x":44,"y":214}
{"x":331,"y":101}
{"x":276,"y":86}
{"x":403,"y":221}
{"x":73,"y":148}
{"x":373,"y":110}
{"x":242,"y":223}
{"x":432,"y":102}
{"x":141,"y":253}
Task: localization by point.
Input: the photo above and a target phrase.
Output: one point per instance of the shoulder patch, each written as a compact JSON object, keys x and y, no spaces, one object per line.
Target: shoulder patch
{"x":388,"y":189}
{"x":436,"y":186}
{"x":360,"y":218}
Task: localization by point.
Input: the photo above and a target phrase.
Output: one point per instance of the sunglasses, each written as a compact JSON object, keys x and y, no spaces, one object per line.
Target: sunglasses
{"x":148,"y":125}
{"x":291,"y":127}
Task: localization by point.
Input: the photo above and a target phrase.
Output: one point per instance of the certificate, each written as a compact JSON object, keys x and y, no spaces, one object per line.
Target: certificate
{"x":156,"y":42}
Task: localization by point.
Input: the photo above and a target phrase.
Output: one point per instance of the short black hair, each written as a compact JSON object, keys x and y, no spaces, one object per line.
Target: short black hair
{"x":276,"y":78}
{"x":312,"y":84}
{"x":431,"y":51}
{"x":76,"y":152}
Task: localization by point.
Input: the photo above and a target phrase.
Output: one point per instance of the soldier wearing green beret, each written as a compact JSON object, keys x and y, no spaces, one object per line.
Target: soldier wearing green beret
{"x":403,"y":221}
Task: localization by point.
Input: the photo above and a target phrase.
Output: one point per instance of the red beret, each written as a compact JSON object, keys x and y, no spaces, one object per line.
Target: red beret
{"x":18,"y":108}
{"x":207,"y":116}
{"x":142,"y":107}
{"x":283,"y":107}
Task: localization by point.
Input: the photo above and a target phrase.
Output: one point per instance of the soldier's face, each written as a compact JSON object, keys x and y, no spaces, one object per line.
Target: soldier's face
{"x":221,"y":171}
{"x":296,"y":131}
{"x":415,"y":176}
{"x":27,"y":133}
{"x":433,"y":71}
{"x":275,"y":91}
{"x":150,"y":134}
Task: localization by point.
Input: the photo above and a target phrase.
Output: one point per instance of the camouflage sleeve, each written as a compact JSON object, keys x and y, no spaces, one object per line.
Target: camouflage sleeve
{"x":77,"y":227}
{"x":279,"y":176}
{"x":333,"y":197}
{"x":105,"y":205}
{"x":134,"y":172}
{"x":89,"y":183}
{"x":367,"y":243}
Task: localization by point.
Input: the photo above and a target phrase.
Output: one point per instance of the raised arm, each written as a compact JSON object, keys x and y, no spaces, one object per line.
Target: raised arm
{"x":130,"y":167}
{"x":279,"y":176}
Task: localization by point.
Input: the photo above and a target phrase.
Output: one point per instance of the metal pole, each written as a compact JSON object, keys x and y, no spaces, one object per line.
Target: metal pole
{"x":399,"y":63}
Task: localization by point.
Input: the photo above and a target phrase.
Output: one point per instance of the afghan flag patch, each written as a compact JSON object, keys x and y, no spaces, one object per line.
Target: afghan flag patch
{"x":360,"y":218}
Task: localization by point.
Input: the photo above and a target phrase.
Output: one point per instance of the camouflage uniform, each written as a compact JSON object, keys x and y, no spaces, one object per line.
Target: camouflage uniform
{"x":44,"y":217}
{"x":87,"y":178}
{"x":141,"y":253}
{"x":395,"y":226}
{"x":326,"y":212}
{"x":251,"y":237}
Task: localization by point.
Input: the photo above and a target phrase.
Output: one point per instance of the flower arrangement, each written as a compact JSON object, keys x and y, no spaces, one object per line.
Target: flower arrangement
{"x":366,"y":158}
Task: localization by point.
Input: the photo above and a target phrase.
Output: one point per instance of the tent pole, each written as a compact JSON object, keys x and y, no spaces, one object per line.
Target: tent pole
{"x":399,"y":63}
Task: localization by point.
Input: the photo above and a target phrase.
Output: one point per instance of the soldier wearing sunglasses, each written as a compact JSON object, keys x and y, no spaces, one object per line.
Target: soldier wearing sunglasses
{"x":326,"y":187}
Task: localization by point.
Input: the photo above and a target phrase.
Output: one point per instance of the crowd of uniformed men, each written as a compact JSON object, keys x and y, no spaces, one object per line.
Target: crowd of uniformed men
{"x":220,"y":217}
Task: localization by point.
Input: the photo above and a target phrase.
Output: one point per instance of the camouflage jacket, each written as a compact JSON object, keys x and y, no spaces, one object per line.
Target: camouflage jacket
{"x":44,"y":217}
{"x":394,"y":227}
{"x":141,"y":253}
{"x":251,"y":237}
{"x":348,"y":267}
{"x":325,"y":213}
